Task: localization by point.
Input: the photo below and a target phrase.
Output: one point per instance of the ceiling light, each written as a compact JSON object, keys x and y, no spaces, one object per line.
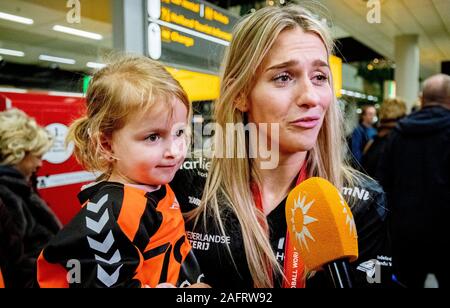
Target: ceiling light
{"x":15,"y":18}
{"x":10,"y":52}
{"x":72,"y":31}
{"x":95,"y":65}
{"x":56,"y":59}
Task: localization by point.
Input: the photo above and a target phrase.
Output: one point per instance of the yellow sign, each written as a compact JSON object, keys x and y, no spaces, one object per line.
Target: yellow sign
{"x":198,"y":86}
{"x":212,"y":14}
{"x":336,"y":70}
{"x":188,"y":5}
{"x":171,"y":17}
{"x":169,"y":36}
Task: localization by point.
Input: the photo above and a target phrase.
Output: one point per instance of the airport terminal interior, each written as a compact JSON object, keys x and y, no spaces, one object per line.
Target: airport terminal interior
{"x":50,"y":49}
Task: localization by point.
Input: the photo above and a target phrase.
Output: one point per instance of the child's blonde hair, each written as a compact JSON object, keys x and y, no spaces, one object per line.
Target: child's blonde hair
{"x":20,"y":135}
{"x":128,"y":85}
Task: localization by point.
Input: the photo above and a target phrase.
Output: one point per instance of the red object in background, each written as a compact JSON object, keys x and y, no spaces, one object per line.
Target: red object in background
{"x":61,"y":177}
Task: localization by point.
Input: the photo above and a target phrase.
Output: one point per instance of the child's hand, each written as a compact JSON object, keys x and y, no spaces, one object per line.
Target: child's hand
{"x":199,"y":285}
{"x":165,"y":285}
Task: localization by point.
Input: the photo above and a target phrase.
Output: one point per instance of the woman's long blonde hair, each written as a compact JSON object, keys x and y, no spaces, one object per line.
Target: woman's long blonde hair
{"x":230,"y":178}
{"x":126,"y":86}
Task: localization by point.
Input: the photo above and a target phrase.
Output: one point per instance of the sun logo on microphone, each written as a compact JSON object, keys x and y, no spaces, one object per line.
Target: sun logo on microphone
{"x":300,"y":221}
{"x":349,"y":217}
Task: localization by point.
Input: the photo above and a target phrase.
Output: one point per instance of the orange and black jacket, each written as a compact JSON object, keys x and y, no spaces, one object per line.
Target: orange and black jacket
{"x":122,"y":237}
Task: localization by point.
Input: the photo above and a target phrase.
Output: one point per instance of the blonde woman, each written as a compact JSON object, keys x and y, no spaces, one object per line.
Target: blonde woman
{"x":26,"y":222}
{"x":391,"y":111}
{"x":276,"y":71}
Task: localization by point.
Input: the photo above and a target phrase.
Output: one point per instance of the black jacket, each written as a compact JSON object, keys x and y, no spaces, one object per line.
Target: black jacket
{"x":371,"y":159}
{"x":415,"y":174}
{"x":219,"y":269}
{"x":26,"y":226}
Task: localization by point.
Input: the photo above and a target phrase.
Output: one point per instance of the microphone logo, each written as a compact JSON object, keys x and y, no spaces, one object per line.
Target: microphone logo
{"x":349,"y":216}
{"x":320,"y":223}
{"x":300,"y":221}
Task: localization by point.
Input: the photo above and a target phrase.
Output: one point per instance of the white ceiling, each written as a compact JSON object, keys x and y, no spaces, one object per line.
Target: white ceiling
{"x":39,"y":38}
{"x":429,"y":19}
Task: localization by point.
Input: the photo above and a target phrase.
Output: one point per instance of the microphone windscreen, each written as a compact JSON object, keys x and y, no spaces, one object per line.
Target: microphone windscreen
{"x":320,"y":223}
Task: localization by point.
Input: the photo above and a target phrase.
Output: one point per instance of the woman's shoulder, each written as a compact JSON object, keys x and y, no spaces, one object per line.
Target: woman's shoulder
{"x":361,"y":185}
{"x":367,"y":201}
{"x":189,"y":182}
{"x":365,"y":195}
{"x":13,"y":183}
{"x":194,"y":168}
{"x":15,"y":197}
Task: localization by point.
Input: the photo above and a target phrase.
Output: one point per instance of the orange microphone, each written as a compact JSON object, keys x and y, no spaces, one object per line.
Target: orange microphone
{"x":2,"y":284}
{"x":322,"y":229}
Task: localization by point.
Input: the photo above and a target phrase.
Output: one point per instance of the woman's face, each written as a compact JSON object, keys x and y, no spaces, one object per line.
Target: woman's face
{"x":29,"y":165}
{"x":293,"y":89}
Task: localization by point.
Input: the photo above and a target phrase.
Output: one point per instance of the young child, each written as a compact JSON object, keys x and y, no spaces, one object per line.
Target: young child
{"x":130,"y":231}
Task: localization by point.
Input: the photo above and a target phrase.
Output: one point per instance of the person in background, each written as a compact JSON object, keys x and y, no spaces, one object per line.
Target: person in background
{"x":415,"y":172}
{"x":130,"y":231}
{"x":363,"y":133}
{"x":5,"y":228}
{"x":391,"y":111}
{"x":26,"y":223}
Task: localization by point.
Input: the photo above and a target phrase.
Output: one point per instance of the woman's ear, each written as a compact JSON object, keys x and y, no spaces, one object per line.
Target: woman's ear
{"x":241,"y":103}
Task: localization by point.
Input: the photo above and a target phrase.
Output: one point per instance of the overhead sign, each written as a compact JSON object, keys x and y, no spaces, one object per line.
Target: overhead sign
{"x":336,"y":70}
{"x":190,"y":33}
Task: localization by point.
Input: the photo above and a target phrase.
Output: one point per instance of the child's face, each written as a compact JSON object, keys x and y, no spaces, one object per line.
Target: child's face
{"x":151,"y":147}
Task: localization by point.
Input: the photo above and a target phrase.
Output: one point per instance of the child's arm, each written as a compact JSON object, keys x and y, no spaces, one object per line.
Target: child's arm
{"x":92,"y":251}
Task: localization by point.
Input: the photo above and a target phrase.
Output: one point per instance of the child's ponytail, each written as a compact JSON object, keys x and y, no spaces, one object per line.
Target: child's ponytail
{"x":86,"y":146}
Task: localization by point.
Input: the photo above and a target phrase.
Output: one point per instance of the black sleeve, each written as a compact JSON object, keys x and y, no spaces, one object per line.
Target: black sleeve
{"x":11,"y":243}
{"x":373,"y":268}
{"x":189,"y":182}
{"x":17,"y":267}
{"x":374,"y":265}
{"x":385,"y":168}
